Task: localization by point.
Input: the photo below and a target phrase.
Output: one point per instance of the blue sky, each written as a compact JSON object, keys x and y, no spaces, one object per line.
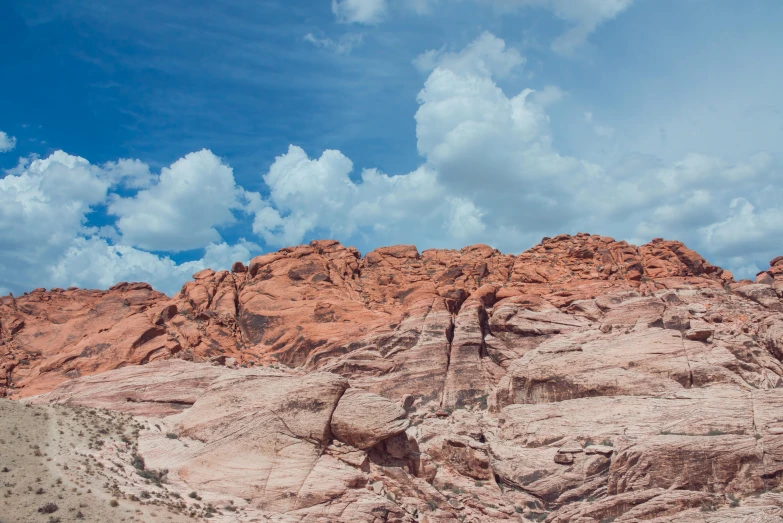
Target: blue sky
{"x":146,"y":140}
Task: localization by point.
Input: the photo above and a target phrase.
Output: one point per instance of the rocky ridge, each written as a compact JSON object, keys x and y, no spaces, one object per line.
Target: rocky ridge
{"x":580,"y":381}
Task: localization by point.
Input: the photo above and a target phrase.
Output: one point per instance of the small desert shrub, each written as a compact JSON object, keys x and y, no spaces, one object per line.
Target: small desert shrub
{"x":114,"y":503}
{"x":49,"y":508}
{"x":171,"y":435}
{"x":138,"y":462}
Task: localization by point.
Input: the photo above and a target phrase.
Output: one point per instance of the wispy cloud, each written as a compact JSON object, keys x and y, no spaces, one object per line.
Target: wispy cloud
{"x":583,"y":16}
{"x":343,"y":45}
{"x":359,"y":11}
{"x":603,"y":131}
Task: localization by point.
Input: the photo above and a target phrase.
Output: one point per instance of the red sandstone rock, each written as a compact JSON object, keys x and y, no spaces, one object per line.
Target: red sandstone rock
{"x":393,"y":297}
{"x":583,"y":368}
{"x":765,"y":278}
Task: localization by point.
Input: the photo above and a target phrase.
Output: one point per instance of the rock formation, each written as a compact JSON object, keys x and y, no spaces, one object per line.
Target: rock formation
{"x":584,"y":380}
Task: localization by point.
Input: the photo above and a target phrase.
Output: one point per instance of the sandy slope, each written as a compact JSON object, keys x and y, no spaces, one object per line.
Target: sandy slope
{"x":80,"y":460}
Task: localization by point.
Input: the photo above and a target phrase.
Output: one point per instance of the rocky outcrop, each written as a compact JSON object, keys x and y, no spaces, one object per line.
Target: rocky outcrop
{"x":49,"y":337}
{"x":395,"y":313}
{"x":363,"y":419}
{"x":584,"y":380}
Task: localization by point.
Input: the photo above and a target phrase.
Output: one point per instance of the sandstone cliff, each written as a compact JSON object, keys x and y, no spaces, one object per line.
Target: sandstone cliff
{"x":580,"y":381}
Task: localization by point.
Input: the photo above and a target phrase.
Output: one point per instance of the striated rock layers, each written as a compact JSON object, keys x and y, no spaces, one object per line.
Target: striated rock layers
{"x":584,"y":380}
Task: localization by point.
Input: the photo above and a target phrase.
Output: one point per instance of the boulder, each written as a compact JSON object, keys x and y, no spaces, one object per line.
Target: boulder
{"x":765,"y":278}
{"x":363,"y":419}
{"x":762,"y":294}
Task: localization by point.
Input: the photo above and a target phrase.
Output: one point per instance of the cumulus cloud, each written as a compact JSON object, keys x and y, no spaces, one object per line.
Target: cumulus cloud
{"x":133,"y":174}
{"x":490,"y":168}
{"x":182,"y":209}
{"x":359,"y":11}
{"x":486,"y":56}
{"x":44,"y":204}
{"x":93,"y":262}
{"x":490,"y":148}
{"x":7,"y":143}
{"x":317,"y":195}
{"x":47,"y":240}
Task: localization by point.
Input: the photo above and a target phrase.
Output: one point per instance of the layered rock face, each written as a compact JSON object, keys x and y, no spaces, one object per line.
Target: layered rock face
{"x":404,"y":321}
{"x":583,"y":380}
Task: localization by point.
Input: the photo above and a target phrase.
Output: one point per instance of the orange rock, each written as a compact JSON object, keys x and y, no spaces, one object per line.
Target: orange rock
{"x":362,"y":317}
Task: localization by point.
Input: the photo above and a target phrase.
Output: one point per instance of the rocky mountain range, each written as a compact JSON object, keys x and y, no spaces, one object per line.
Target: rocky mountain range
{"x":585,"y":380}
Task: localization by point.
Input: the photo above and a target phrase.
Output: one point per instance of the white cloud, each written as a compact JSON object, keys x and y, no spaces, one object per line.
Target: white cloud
{"x":308,"y":195}
{"x":94,"y":263}
{"x":7,"y":143}
{"x":133,"y":174}
{"x":486,"y":56}
{"x":584,"y":16}
{"x":484,"y":151}
{"x":464,"y":220}
{"x":44,"y":204}
{"x":745,"y":230}
{"x":490,"y":148}
{"x":344,"y":45}
{"x":359,"y":11}
{"x":182,"y":209}
{"x":46,"y":240}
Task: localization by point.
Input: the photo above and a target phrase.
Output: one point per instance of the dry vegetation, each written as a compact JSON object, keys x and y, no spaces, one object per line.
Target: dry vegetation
{"x":62,"y":464}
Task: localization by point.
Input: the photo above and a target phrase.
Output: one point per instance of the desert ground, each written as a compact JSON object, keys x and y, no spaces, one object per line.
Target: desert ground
{"x":63,"y":464}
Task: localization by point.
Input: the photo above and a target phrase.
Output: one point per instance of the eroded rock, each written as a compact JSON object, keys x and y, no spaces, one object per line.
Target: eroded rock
{"x":363,"y":419}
